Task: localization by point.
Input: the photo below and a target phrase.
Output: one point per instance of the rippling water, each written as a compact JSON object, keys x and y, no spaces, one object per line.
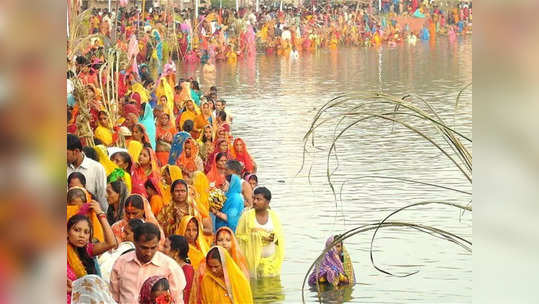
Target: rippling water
{"x":273,"y":101}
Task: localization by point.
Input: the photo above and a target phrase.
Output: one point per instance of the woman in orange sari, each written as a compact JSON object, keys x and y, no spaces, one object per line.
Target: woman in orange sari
{"x":189,"y":161}
{"x":204,"y":118}
{"x":240,"y":153}
{"x":169,"y":173}
{"x":191,"y":228}
{"x":165,"y":131}
{"x":225,"y":238}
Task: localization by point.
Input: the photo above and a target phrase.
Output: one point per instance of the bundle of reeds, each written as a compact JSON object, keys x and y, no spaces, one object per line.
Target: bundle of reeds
{"x":109,"y":72}
{"x":80,"y":93}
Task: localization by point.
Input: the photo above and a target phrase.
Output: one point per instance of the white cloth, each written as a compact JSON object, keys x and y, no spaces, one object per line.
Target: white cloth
{"x":268,"y":250}
{"x":112,"y":150}
{"x":91,"y":289}
{"x":107,"y":259}
{"x":286,"y":35}
{"x":96,"y":179}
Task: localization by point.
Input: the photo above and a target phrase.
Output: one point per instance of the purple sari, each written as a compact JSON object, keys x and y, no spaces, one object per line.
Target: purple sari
{"x":330,"y":267}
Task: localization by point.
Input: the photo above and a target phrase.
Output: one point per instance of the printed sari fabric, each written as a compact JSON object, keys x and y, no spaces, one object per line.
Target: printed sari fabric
{"x":91,"y":289}
{"x":234,"y":288}
{"x":170,"y":216}
{"x":332,"y":269}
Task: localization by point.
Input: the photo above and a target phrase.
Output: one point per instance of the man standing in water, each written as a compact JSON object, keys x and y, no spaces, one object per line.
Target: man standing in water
{"x":260,"y":237}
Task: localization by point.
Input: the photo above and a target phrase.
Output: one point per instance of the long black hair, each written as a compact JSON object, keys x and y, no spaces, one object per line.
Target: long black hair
{"x":179,"y":244}
{"x":85,"y":258}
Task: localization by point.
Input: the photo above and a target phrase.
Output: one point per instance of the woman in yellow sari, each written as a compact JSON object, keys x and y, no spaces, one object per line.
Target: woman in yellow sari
{"x":191,"y":228}
{"x":113,"y":171}
{"x":169,"y":173}
{"x":224,"y":282}
{"x":103,"y":131}
{"x":164,"y":89}
{"x":77,"y":203}
{"x":190,"y":113}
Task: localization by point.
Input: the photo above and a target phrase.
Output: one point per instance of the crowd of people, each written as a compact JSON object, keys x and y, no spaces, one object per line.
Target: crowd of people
{"x":142,"y":222}
{"x":226,"y":35}
{"x":149,"y":155}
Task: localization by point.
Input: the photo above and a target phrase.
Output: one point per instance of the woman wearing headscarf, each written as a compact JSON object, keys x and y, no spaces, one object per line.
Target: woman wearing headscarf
{"x":112,"y":169}
{"x":169,"y":174}
{"x":148,"y":121}
{"x":204,"y":118}
{"x":136,"y":206}
{"x":78,"y":202}
{"x":171,"y":215}
{"x":164,"y":132}
{"x":190,"y":112}
{"x":81,"y":251}
{"x":216,"y":174}
{"x":191,"y":228}
{"x":240,"y":153}
{"x":155,"y":290}
{"x":177,"y":146}
{"x":145,"y":168}
{"x":205,"y":142}
{"x":224,"y":282}
{"x":139,"y":134}
{"x":189,"y":161}
{"x":221,"y":146}
{"x":103,"y":131}
{"x":335,"y":268}
{"x":229,"y":215}
{"x":164,"y":89}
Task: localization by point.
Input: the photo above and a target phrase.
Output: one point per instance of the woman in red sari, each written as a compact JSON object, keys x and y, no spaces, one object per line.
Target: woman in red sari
{"x":146,"y":167}
{"x":221,"y":146}
{"x":216,"y":175}
{"x":240,"y":153}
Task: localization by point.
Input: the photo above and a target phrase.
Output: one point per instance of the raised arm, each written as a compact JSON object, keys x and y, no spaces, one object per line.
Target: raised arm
{"x":110,"y":240}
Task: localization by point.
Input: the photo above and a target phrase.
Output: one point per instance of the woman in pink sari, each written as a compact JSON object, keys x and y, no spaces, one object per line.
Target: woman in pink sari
{"x":250,"y":41}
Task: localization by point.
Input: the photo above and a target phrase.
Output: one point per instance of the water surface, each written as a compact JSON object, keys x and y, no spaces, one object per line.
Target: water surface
{"x":273,"y":101}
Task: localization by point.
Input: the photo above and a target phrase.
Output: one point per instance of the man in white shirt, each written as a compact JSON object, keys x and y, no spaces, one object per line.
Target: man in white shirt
{"x":96,"y":178}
